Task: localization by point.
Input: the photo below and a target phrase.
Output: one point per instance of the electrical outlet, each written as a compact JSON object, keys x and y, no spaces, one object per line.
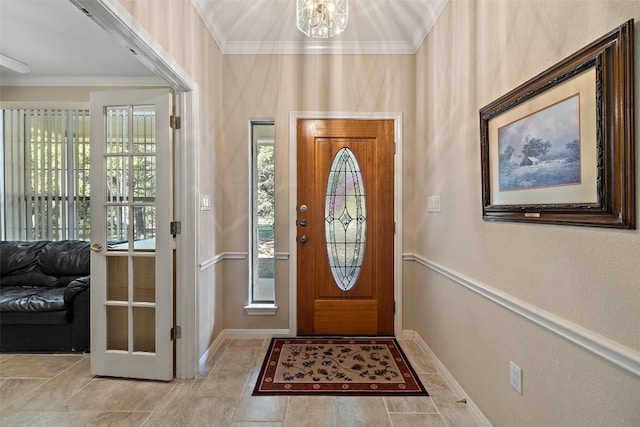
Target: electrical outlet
{"x":515,"y":377}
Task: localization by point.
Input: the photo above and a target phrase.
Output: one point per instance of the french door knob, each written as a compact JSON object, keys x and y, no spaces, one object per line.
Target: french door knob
{"x":303,"y":239}
{"x":96,"y":247}
{"x":303,"y":222}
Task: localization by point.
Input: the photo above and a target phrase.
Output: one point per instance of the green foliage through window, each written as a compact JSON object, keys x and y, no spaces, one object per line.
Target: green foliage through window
{"x":262,"y":253}
{"x":46,"y":174}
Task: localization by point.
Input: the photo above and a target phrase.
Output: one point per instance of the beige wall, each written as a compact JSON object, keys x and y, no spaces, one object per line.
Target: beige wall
{"x":271,"y":86}
{"x":14,"y":95}
{"x":587,"y":277}
{"x":477,"y":51}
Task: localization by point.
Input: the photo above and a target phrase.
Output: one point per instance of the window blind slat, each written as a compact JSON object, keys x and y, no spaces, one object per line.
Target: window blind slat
{"x":45,"y":155}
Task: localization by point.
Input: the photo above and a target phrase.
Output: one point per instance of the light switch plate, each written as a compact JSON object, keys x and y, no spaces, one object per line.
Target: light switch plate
{"x":205,"y":202}
{"x":433,"y":203}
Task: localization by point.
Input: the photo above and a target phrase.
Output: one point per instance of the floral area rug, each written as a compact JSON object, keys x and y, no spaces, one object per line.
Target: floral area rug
{"x":372,"y":367}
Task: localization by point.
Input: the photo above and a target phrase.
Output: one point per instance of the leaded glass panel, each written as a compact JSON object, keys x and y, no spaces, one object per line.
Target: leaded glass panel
{"x":345,"y":219}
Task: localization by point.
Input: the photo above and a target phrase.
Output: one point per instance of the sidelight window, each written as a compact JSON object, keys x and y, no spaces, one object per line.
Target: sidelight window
{"x":262,"y":228}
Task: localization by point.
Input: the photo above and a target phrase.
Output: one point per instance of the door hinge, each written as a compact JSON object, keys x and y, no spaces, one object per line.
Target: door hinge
{"x":175,"y":122}
{"x":176,"y":227}
{"x":176,"y":333}
{"x":395,"y":227}
{"x":394,"y":307}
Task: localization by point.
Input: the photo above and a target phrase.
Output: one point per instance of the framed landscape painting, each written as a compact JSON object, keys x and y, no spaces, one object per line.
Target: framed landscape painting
{"x":560,"y":148}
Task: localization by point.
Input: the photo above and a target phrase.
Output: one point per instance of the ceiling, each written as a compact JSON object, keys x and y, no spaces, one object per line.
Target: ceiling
{"x":62,"y":46}
{"x":269,"y":26}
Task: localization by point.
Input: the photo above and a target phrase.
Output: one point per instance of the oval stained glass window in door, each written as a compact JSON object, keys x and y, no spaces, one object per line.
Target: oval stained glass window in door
{"x":345,"y":219}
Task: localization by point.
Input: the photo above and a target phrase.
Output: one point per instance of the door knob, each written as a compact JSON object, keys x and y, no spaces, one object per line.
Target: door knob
{"x":303,"y":239}
{"x":96,"y":247}
{"x":303,"y":222}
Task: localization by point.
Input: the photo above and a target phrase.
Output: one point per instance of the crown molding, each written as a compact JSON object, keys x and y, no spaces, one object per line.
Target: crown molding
{"x":318,"y":46}
{"x":313,"y":47}
{"x":428,"y":21}
{"x":85,"y":81}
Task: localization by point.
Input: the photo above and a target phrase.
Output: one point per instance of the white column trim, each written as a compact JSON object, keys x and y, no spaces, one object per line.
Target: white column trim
{"x":114,"y":18}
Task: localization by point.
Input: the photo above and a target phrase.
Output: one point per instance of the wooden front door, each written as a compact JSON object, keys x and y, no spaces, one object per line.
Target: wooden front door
{"x":345,"y":227}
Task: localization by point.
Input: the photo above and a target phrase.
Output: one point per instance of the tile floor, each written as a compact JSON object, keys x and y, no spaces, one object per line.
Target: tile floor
{"x":59,"y":390}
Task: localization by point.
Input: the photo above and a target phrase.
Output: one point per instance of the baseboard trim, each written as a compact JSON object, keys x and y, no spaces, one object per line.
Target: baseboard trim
{"x":255,"y":333}
{"x":453,"y":384}
{"x":611,"y":351}
{"x":215,"y":346}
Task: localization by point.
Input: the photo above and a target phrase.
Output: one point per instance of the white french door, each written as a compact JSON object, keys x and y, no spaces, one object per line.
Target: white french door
{"x":132,"y":242}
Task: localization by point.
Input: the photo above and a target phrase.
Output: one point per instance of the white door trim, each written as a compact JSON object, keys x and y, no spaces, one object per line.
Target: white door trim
{"x":119,"y":23}
{"x":294,"y":116}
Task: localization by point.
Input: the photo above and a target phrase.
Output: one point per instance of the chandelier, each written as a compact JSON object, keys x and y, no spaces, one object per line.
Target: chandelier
{"x":322,"y":18}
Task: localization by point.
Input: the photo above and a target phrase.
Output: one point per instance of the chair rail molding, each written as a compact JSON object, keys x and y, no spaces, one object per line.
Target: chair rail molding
{"x":221,"y":257}
{"x":611,"y":351}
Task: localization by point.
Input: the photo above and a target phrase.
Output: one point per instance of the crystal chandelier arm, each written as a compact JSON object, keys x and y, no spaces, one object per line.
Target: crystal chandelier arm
{"x":322,"y":18}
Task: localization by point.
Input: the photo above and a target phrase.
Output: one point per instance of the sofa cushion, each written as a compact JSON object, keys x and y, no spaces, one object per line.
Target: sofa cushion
{"x":32,"y":278}
{"x":20,"y":318}
{"x":74,"y":288}
{"x":19,"y":257}
{"x":31,"y":298}
{"x":65,"y":258}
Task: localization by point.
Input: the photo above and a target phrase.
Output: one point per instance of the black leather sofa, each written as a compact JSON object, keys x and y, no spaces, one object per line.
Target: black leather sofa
{"x":44,"y":296}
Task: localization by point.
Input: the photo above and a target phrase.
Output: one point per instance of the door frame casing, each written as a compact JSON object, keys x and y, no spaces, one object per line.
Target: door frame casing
{"x":116,"y":20}
{"x":294,"y":116}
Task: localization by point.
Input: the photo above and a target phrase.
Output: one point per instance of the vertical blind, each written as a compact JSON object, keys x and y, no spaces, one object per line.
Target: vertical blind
{"x":46,"y":174}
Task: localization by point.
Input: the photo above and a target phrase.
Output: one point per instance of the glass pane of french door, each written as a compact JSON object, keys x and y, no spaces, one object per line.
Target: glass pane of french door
{"x":130,"y":212}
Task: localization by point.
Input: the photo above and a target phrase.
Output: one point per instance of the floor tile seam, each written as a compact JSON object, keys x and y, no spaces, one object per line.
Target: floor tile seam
{"x":198,"y":394}
{"x":51,"y":377}
{"x":166,"y":397}
{"x":74,"y":411}
{"x":218,"y":356}
{"x":69,"y":367}
{"x":238,"y":365}
{"x":247,"y":384}
{"x":48,"y":354}
{"x":26,"y":378}
{"x":82,"y":387}
{"x":246,"y":339}
{"x":146,"y":420}
{"x":32,"y":392}
{"x":386,"y":407}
